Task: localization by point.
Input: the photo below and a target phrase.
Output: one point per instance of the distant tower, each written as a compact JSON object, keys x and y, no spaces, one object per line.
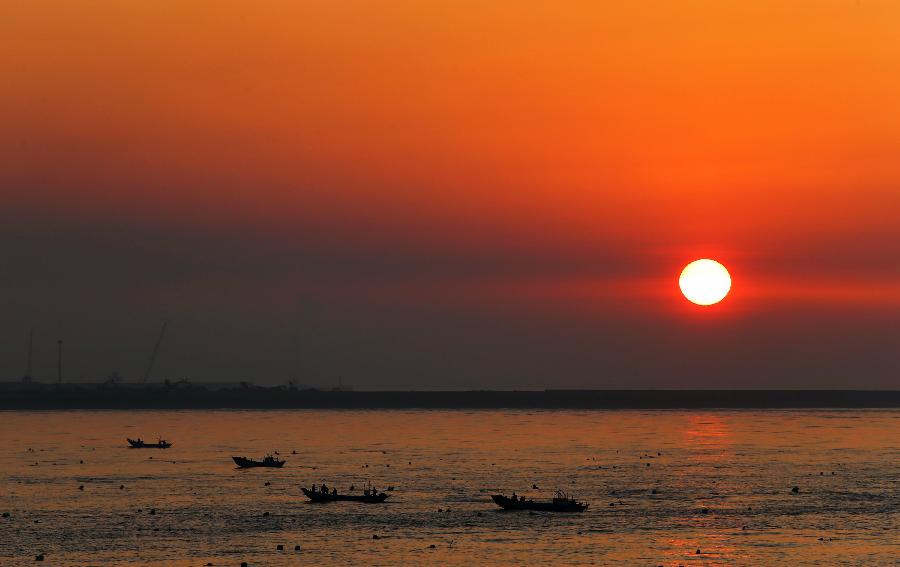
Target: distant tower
{"x":59,"y":361}
{"x":27,"y":377}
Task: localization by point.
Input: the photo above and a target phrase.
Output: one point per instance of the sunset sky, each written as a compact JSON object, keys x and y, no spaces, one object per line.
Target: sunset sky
{"x":452,"y":194}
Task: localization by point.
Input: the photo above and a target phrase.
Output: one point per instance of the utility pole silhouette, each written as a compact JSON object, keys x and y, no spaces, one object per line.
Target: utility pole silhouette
{"x":59,"y":362}
{"x":27,"y":377}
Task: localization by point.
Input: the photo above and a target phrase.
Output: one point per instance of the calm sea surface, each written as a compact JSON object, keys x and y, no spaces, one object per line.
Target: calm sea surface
{"x":660,"y":484}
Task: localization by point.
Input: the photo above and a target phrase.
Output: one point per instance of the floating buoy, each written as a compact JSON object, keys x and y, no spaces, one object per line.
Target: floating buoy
{"x":296,"y":548}
{"x":375,"y":536}
{"x":152,"y":511}
{"x":39,"y":557}
{"x":698,"y":551}
{"x":279,"y":547}
{"x":268,"y":484}
{"x":265,"y":513}
{"x":6,"y":514}
{"x":432,"y":546}
{"x":81,"y":487}
{"x":121,"y":487}
{"x":795,"y":490}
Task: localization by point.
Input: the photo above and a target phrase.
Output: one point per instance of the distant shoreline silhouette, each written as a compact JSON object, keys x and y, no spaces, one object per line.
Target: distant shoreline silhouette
{"x":34,"y":396}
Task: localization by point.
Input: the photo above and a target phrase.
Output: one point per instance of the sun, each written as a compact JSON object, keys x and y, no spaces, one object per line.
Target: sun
{"x":705,"y":282}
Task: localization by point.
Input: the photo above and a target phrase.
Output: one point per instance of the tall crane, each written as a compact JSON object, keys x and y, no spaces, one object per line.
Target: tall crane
{"x":155,"y":352}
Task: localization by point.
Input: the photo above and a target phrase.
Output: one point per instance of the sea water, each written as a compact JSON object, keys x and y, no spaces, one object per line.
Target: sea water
{"x":664,"y":487}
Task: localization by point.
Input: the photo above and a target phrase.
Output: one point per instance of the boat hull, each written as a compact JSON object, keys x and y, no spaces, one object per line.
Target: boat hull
{"x":510,"y":504}
{"x":137,"y":444}
{"x":322,"y":497}
{"x":246,"y":463}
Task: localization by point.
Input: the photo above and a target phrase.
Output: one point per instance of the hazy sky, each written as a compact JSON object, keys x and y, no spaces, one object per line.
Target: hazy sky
{"x":452,"y":194}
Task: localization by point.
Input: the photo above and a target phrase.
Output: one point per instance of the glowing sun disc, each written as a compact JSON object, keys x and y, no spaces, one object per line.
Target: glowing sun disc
{"x":705,"y":282}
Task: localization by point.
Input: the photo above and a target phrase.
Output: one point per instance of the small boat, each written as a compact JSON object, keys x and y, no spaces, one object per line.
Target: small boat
{"x":329,"y":497}
{"x":267,"y":461}
{"x":561,"y":503}
{"x":141,"y":444}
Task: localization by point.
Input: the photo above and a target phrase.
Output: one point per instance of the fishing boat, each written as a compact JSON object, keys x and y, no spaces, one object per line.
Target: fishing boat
{"x":267,"y":461}
{"x":330,"y":497}
{"x":141,"y":444}
{"x":561,"y":503}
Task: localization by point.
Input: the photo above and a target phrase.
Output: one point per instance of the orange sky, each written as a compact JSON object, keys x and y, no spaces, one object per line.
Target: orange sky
{"x":502,"y":149}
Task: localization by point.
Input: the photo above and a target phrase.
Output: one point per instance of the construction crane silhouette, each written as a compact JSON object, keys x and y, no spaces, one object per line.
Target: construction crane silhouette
{"x":155,"y":352}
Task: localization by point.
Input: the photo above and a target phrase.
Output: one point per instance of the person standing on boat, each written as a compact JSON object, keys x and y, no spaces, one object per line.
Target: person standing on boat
{"x":334,"y":491}
{"x":324,"y":489}
{"x":314,"y":488}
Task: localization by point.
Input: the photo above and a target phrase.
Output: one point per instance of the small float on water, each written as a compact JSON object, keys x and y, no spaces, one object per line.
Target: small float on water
{"x":141,"y":444}
{"x":369,"y":496}
{"x":267,"y":461}
{"x":561,"y":502}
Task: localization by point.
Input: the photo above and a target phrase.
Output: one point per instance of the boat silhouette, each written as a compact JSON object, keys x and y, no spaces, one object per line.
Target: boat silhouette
{"x":267,"y":461}
{"x":141,"y":444}
{"x":330,"y":497}
{"x":561,"y":503}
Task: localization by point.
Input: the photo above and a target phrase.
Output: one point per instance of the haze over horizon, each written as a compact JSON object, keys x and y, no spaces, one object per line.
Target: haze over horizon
{"x":452,"y":195}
